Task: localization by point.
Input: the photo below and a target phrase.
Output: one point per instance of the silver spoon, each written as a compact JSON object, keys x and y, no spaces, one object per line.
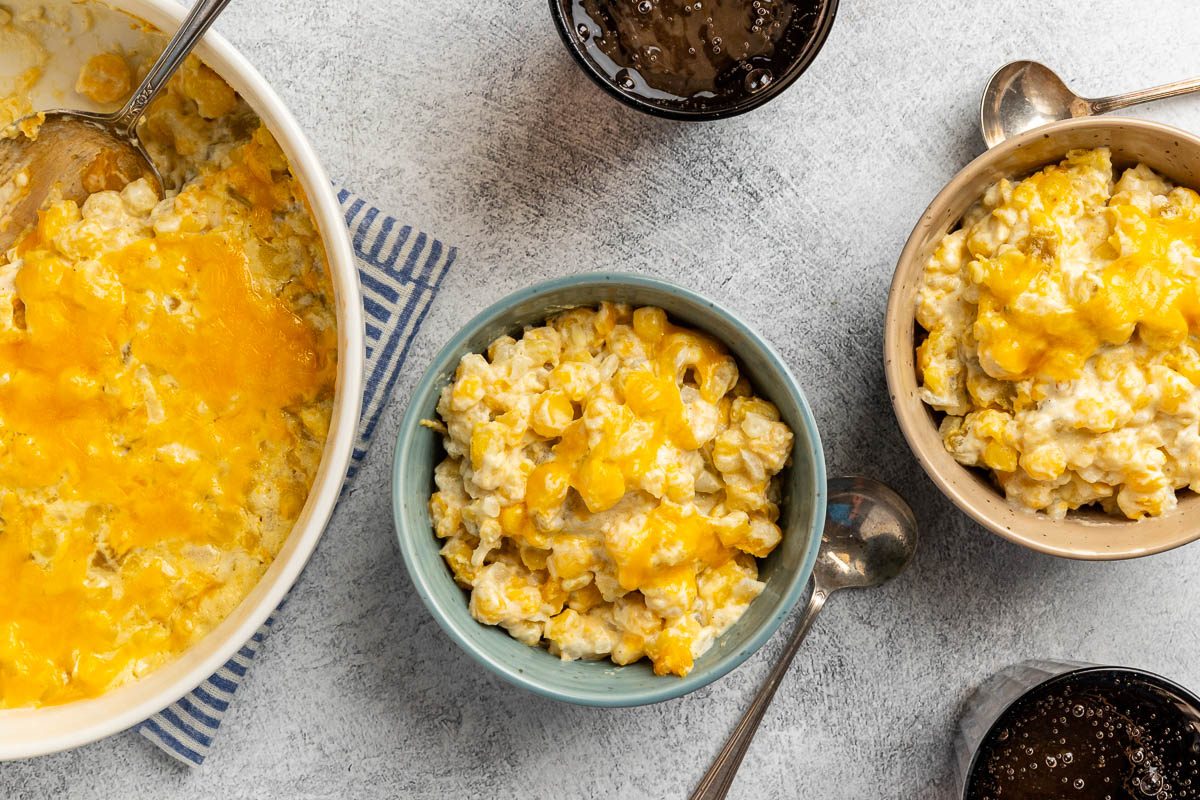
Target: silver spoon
{"x":870,"y":537}
{"x":76,"y":153}
{"x":1024,"y":95}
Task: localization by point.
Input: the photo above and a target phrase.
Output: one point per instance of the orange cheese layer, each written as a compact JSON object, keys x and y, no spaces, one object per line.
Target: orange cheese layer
{"x":140,"y":432}
{"x":607,"y":487}
{"x":600,"y":452}
{"x":1141,"y":288}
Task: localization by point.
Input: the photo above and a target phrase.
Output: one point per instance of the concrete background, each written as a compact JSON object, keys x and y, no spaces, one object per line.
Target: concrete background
{"x":469,"y":120}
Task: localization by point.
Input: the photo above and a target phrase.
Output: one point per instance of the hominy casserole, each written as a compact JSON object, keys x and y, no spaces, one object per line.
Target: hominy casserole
{"x":1062,"y":321}
{"x":609,"y":483}
{"x":167,"y":369}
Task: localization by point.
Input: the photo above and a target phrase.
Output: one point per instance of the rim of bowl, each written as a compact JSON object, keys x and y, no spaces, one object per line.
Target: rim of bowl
{"x":234,"y":68}
{"x":671,"y":687}
{"x":808,"y":55}
{"x":1027,"y":528}
{"x":1087,"y":669}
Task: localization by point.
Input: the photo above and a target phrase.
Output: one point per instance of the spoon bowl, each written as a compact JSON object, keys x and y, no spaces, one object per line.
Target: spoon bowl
{"x":1024,"y":95}
{"x":69,"y":156}
{"x":870,"y":536}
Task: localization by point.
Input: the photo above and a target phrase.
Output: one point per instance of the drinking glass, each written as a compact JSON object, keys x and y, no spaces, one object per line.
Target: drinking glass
{"x":997,"y":694}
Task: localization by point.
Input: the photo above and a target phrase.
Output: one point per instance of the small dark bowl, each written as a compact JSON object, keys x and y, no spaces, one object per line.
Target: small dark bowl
{"x":672,"y":109}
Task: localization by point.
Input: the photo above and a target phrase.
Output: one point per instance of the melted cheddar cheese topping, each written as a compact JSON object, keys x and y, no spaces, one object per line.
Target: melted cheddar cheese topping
{"x":608,"y":487}
{"x":1062,"y":322}
{"x":166,"y":379}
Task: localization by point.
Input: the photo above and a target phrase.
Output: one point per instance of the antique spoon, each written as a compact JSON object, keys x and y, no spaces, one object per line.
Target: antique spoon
{"x":76,"y":153}
{"x":1024,"y":95}
{"x":870,"y":537}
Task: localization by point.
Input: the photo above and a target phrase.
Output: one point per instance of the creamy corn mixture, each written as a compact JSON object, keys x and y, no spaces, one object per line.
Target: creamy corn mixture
{"x":167,"y":372}
{"x":1062,"y":322}
{"x":610,"y":481}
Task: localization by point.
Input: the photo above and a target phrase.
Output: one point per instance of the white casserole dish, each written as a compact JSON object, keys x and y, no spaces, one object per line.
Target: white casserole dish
{"x":31,"y":732}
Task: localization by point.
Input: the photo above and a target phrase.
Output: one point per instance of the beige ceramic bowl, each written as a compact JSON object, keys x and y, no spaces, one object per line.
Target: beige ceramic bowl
{"x":1084,"y":535}
{"x":30,"y":732}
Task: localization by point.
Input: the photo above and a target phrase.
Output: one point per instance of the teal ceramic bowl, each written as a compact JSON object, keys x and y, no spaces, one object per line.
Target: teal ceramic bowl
{"x":602,"y":683}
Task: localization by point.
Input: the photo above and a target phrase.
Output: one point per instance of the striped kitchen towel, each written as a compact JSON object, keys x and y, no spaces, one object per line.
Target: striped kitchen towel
{"x":401,"y":271}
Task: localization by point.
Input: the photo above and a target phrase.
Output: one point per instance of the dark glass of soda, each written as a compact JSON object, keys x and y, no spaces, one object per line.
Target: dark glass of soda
{"x":1051,"y":730}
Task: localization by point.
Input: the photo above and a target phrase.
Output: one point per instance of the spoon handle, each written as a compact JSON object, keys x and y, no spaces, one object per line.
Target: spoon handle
{"x":198,"y":21}
{"x":1102,"y":105}
{"x":716,"y":782}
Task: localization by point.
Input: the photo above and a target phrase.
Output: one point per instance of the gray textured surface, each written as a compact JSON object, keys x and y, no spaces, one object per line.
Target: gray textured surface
{"x":469,"y":120}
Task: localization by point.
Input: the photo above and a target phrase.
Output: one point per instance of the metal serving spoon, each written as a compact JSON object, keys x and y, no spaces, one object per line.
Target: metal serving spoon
{"x":1024,"y":95}
{"x":870,"y":537}
{"x":76,"y":153}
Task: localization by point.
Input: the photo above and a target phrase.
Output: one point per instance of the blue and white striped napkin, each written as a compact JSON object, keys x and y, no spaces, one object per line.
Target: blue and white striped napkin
{"x":401,"y":271}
